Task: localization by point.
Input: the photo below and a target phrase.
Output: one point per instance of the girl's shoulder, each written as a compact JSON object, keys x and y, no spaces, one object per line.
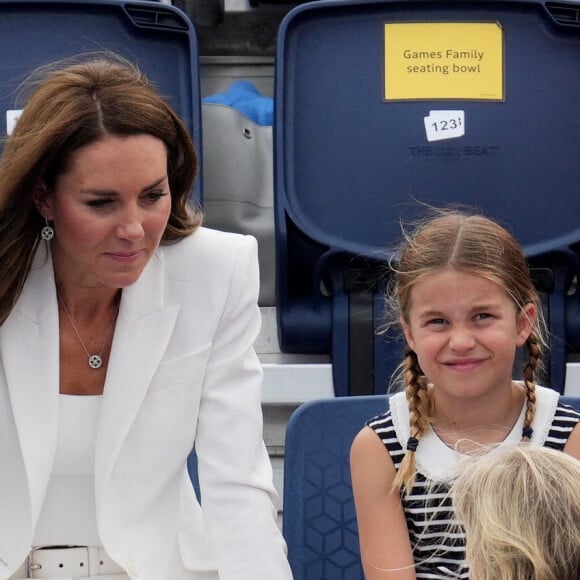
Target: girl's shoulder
{"x":554,"y":420}
{"x":550,"y":404}
{"x":397,"y":405}
{"x":392,"y":426}
{"x":566,"y":411}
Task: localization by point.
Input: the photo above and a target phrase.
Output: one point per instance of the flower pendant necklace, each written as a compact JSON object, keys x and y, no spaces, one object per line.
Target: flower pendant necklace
{"x":95,"y":360}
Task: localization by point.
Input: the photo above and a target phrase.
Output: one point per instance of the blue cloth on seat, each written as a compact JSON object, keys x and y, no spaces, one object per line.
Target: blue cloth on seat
{"x":243,"y":96}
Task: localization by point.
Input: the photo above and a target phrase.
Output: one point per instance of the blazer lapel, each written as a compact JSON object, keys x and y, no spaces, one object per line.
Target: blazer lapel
{"x":144,"y":328}
{"x":29,"y":349}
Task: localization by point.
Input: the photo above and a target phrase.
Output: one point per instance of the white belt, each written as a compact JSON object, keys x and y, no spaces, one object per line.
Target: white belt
{"x":71,"y":562}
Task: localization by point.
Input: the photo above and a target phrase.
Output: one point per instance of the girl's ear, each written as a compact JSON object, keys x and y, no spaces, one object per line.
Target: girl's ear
{"x":43,"y":201}
{"x":407,"y":331}
{"x":525,"y":322}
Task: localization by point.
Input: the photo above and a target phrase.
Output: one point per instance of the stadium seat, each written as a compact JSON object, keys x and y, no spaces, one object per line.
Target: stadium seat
{"x":351,"y":161}
{"x":319,"y":514}
{"x":158,"y":37}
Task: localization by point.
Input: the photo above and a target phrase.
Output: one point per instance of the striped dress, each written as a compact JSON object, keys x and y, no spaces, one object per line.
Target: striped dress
{"x":438,"y":542}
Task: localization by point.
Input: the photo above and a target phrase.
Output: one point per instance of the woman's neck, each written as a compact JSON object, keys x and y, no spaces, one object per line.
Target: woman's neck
{"x":84,"y":303}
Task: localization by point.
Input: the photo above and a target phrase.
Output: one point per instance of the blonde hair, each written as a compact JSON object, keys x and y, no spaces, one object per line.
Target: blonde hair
{"x":520,"y":508}
{"x":472,"y":244}
{"x":73,"y":103}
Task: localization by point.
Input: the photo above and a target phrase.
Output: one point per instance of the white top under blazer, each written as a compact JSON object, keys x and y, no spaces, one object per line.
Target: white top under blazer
{"x":68,"y":516}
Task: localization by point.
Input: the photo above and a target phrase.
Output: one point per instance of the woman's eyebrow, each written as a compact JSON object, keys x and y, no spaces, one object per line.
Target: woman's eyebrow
{"x":109,"y":192}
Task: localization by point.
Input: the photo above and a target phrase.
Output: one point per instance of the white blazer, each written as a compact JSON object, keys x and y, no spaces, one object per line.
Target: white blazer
{"x":182,"y":369}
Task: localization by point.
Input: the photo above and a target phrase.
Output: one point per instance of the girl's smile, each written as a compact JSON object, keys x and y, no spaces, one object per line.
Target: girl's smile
{"x":464,"y":365}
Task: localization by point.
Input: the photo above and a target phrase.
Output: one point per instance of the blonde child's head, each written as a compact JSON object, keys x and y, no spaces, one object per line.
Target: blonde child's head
{"x":521,"y":511}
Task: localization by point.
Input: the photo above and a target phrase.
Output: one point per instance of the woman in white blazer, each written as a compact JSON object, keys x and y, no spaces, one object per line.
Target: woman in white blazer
{"x":126,"y":339}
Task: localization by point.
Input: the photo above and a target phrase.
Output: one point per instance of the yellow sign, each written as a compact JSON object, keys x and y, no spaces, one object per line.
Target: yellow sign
{"x":444,"y":60}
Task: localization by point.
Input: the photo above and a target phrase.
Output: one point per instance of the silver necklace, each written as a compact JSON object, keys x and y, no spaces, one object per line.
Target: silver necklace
{"x":95,"y":360}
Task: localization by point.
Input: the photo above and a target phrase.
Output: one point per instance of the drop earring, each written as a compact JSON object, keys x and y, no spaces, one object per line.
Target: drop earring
{"x":47,"y":231}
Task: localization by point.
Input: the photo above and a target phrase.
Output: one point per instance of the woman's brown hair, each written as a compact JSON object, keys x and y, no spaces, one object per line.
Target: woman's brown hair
{"x":71,"y":105}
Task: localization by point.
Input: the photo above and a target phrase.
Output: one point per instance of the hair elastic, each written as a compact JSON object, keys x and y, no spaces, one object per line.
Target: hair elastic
{"x":527,"y":432}
{"x":412,"y":443}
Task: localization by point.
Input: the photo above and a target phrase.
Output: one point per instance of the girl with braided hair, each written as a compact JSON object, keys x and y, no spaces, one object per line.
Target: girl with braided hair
{"x":465,"y":301}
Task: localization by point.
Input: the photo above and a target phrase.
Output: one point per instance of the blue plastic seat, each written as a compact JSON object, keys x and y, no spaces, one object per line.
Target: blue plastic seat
{"x":350,"y":164}
{"x":319,"y":515}
{"x":159,"y":38}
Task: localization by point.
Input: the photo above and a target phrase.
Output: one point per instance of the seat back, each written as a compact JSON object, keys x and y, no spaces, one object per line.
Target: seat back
{"x":158,"y":37}
{"x":350,"y":161}
{"x":319,"y":515}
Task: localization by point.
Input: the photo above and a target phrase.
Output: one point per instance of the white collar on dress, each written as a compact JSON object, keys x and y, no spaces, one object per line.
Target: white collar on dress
{"x":437,"y":461}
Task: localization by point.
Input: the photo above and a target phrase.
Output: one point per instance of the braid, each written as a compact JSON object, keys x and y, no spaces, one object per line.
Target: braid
{"x":534,"y":354}
{"x":419,"y":416}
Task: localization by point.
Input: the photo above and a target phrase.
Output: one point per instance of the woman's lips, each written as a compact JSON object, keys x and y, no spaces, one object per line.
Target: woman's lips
{"x":125,"y":257}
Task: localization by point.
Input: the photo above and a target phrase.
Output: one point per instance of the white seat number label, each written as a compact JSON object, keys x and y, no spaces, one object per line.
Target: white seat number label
{"x":440,"y":125}
{"x":11,"y":118}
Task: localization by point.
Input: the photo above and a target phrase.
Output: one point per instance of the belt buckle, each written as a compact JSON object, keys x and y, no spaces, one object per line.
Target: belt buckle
{"x":48,"y":561}
{"x":31,"y":567}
